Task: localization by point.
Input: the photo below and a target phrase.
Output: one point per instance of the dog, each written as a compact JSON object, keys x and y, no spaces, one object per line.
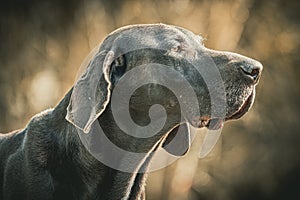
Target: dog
{"x":48,"y":158}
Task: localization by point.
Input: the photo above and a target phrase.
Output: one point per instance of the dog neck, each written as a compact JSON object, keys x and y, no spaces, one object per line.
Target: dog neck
{"x":99,"y":178}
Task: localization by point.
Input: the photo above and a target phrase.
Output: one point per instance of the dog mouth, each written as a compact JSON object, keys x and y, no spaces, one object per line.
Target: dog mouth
{"x":244,"y":108}
{"x":214,"y":123}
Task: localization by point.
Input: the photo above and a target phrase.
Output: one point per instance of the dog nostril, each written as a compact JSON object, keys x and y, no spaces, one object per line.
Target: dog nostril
{"x":252,"y":70}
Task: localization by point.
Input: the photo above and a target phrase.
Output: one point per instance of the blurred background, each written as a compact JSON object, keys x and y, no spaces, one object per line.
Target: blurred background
{"x":43,"y":43}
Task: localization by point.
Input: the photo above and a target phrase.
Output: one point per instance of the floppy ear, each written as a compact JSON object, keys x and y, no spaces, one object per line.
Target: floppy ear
{"x":178,"y":140}
{"x":91,"y":93}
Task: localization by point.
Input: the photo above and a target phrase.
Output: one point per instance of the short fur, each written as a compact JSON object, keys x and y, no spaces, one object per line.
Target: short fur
{"x":46,"y":160}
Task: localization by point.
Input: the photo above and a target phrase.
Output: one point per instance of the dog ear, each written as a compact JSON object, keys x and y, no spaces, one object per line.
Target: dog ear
{"x":178,"y":140}
{"x":91,"y":94}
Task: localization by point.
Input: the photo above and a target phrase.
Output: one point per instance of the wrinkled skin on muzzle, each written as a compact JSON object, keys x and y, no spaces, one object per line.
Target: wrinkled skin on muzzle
{"x":233,"y":93}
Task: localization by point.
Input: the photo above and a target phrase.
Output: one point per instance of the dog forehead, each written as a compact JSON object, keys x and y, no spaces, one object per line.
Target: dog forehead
{"x":159,"y":36}
{"x":142,"y":30}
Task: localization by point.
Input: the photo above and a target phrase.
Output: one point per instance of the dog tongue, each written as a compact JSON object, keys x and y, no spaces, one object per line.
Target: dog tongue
{"x":215,"y":124}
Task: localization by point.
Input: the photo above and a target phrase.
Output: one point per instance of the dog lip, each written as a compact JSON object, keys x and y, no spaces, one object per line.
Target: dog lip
{"x":243,"y":109}
{"x":200,"y":121}
{"x":217,"y":123}
{"x":208,"y":122}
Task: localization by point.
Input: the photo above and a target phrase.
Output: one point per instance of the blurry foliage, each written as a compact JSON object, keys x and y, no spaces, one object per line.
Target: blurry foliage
{"x":44,"y":42}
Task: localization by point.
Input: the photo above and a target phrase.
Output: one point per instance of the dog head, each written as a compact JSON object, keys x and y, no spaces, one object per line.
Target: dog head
{"x":194,"y":84}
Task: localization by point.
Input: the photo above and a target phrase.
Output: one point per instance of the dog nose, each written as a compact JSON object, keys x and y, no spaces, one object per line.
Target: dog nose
{"x":252,"y":69}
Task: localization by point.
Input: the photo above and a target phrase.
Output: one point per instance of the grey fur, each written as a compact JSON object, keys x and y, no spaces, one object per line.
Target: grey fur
{"x":46,"y":160}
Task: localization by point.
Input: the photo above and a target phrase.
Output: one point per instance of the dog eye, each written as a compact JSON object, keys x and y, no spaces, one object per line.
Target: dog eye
{"x":176,"y":49}
{"x":118,"y":69}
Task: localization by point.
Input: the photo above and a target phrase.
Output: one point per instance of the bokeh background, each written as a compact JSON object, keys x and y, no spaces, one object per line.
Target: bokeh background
{"x":43,"y":43}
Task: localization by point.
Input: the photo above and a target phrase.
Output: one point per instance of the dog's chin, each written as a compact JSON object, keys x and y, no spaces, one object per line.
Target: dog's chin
{"x":244,"y":108}
{"x":213,"y":123}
